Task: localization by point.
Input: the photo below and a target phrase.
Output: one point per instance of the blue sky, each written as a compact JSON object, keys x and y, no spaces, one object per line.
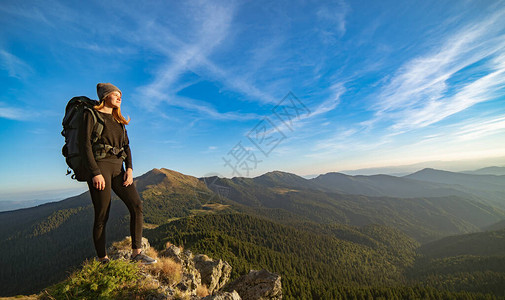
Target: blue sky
{"x":246,"y":87}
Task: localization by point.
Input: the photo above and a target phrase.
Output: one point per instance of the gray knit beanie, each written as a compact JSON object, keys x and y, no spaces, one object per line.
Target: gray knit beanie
{"x":103,"y":89}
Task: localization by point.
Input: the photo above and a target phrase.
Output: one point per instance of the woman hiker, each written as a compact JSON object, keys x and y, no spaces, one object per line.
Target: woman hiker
{"x":108,"y":172}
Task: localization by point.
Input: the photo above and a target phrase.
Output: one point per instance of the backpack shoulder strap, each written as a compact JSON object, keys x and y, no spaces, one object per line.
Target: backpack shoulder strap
{"x":124,"y":135}
{"x":98,"y":122}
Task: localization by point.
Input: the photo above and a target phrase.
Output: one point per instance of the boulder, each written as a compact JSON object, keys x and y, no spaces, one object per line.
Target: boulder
{"x":123,"y":249}
{"x":258,"y":285}
{"x":172,"y":252}
{"x":221,"y":295}
{"x":214,"y":273}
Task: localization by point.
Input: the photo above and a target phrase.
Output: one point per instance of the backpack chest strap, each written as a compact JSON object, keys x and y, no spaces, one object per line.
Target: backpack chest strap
{"x":100,"y":151}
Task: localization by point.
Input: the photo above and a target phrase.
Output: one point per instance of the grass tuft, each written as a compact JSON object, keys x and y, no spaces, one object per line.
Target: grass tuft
{"x":202,"y":291}
{"x":168,"y":271}
{"x":118,"y":279}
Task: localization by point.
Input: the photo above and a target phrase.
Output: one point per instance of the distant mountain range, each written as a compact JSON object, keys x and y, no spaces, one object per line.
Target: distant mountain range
{"x":487,"y":171}
{"x":42,"y":243}
{"x":7,"y":205}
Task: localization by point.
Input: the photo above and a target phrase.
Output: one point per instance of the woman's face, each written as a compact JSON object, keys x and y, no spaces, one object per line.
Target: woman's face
{"x":113,"y":100}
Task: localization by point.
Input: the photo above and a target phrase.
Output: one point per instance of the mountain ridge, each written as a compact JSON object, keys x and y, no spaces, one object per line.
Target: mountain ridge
{"x":164,"y":174}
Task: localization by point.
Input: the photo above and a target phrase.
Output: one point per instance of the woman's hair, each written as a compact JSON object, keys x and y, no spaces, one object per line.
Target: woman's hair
{"x":116,"y":111}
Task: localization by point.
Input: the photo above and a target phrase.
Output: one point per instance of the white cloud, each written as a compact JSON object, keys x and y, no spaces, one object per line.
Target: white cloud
{"x":336,"y":91}
{"x":208,"y":111}
{"x":482,"y":89}
{"x":12,"y":113}
{"x":15,"y":66}
{"x":191,"y":56}
{"x":25,"y":12}
{"x":331,"y":18}
{"x":480,"y":129}
{"x":419,"y":94}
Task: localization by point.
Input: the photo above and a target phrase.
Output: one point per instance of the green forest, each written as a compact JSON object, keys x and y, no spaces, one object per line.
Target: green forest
{"x":336,"y":262}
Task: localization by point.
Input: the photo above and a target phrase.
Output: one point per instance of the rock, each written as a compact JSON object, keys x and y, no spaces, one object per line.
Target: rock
{"x":172,"y":252}
{"x":258,"y":285}
{"x":198,"y":270}
{"x":191,"y":278}
{"x":214,"y":274}
{"x":221,"y":295}
{"x":123,"y":249}
{"x":189,"y":282}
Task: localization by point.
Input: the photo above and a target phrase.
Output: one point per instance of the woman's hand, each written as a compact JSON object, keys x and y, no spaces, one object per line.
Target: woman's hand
{"x":128,"y":177}
{"x":99,"y":182}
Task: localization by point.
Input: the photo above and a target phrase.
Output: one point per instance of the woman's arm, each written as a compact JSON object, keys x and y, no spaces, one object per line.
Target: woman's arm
{"x":128,"y":175}
{"x":87,"y":151}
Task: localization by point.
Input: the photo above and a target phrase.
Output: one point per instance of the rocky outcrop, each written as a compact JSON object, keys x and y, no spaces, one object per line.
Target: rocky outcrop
{"x":173,"y":252}
{"x":203,"y":277}
{"x":258,"y":285}
{"x":215,"y":274}
{"x":222,"y":295}
{"x":191,"y":278}
{"x":122,"y":249}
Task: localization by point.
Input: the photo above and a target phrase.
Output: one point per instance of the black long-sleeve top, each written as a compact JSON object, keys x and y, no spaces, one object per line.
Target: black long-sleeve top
{"x":112,"y":134}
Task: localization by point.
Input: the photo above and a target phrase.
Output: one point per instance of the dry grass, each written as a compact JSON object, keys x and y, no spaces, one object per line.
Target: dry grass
{"x":23,"y":297}
{"x":283,"y":190}
{"x":123,"y":244}
{"x":202,"y":291}
{"x":149,"y":226}
{"x":152,"y":252}
{"x":168,"y":244}
{"x":215,"y":206}
{"x":181,"y":295}
{"x":205,"y":257}
{"x":167,"y":270}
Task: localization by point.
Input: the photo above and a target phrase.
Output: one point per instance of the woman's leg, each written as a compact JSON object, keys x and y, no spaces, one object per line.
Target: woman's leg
{"x":130,"y":196}
{"x":101,"y":203}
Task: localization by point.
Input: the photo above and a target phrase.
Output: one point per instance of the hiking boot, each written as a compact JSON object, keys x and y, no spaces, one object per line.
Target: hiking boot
{"x":143,"y":259}
{"x":103,"y":261}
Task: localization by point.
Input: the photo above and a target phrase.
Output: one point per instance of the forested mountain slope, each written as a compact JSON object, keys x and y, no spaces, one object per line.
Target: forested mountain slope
{"x":490,"y":189}
{"x":324,"y":261}
{"x":310,"y":260}
{"x":487,"y":171}
{"x":472,"y":262}
{"x":424,"y":218}
{"x":384,"y":185}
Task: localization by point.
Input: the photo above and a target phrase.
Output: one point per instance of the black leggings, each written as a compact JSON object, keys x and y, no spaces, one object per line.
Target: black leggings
{"x":113,"y":173}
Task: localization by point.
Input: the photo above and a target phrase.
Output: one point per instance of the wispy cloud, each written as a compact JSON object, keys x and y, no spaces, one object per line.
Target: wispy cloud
{"x":335,"y":91}
{"x":478,"y":130}
{"x":345,"y":142}
{"x":480,"y":90}
{"x":95,"y":47}
{"x":421,"y":93}
{"x":194,"y":56}
{"x":12,"y":113}
{"x":26,"y":12}
{"x":209,"y":111}
{"x":309,"y":118}
{"x":191,"y":55}
{"x":331,"y":20}
{"x":15,"y":66}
